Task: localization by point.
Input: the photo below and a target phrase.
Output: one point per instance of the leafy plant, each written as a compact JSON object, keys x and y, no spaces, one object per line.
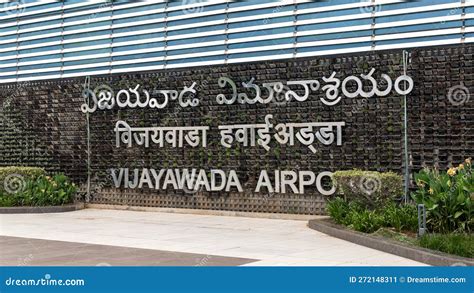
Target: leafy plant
{"x":6,"y":201}
{"x":459,"y":244}
{"x":337,"y":209}
{"x":42,"y":191}
{"x":400,"y":217}
{"x":366,"y":221}
{"x":394,"y":221}
{"x":448,"y":197}
{"x":360,"y":218}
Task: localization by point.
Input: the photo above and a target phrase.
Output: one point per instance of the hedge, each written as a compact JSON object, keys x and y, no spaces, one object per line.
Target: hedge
{"x":368,"y":187}
{"x":11,"y":178}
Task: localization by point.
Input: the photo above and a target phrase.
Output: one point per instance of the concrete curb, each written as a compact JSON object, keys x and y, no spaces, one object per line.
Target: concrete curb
{"x":276,"y":216}
{"x":415,"y":253}
{"x":41,"y":210}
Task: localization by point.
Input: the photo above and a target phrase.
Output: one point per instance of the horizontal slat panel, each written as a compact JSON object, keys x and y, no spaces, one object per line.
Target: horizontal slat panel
{"x":252,"y":8}
{"x":236,"y":30}
{"x":77,"y":38}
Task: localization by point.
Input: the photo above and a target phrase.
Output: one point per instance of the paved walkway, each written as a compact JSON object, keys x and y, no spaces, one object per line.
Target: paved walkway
{"x":267,"y":241}
{"x":16,"y":251}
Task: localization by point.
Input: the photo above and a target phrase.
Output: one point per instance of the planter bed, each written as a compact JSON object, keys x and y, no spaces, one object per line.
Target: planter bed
{"x":416,"y":253}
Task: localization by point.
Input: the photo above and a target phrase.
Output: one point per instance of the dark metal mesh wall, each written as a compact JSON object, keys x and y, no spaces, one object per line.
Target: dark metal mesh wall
{"x":42,"y":125}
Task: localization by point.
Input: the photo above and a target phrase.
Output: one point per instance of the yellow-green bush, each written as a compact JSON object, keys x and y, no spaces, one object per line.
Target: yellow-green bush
{"x":448,"y":197}
{"x":360,"y":218}
{"x":32,"y":190}
{"x":13,"y":178}
{"x":370,"y":188}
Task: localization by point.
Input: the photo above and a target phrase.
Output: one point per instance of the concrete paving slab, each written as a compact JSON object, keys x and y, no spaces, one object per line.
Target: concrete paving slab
{"x":270,"y":241}
{"x":16,"y":251}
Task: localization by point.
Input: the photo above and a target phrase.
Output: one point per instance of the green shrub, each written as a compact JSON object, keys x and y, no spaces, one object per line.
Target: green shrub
{"x":366,"y":221}
{"x":458,"y":244}
{"x":400,"y":217}
{"x":6,"y":200}
{"x":337,"y":209}
{"x":42,"y":191}
{"x":448,"y":197}
{"x":13,"y":179}
{"x":360,"y":218}
{"x":368,"y":187}
{"x":380,"y":221}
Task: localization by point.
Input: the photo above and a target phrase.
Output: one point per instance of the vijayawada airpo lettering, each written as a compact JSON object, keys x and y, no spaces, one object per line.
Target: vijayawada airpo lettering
{"x":218,"y":180}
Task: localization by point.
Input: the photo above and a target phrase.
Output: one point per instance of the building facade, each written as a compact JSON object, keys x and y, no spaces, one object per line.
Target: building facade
{"x":77,"y":76}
